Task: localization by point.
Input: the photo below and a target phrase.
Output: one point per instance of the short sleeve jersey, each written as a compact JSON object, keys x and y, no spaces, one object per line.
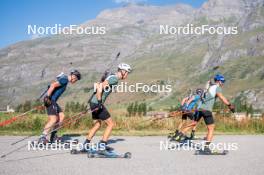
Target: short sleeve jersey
{"x":112,"y":80}
{"x":208,"y":102}
{"x":63,"y":81}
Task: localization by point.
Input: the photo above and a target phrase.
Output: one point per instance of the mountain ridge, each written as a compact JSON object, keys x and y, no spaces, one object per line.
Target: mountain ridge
{"x":28,"y":66}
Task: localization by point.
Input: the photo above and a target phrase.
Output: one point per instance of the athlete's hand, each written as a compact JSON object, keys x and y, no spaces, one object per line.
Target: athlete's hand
{"x":231,"y":108}
{"x":47,"y":101}
{"x":100,"y":105}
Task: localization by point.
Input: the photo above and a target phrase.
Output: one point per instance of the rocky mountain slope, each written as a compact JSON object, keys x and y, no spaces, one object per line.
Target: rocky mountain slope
{"x":185,"y":61}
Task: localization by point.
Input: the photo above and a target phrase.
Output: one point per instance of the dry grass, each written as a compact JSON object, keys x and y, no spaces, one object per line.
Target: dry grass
{"x":135,"y":126}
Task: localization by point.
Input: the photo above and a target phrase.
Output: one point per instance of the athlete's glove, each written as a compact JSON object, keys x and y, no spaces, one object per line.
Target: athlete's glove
{"x":47,"y":101}
{"x":231,"y":108}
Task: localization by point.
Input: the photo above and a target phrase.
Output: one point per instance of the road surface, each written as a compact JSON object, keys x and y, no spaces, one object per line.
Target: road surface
{"x":147,"y":158}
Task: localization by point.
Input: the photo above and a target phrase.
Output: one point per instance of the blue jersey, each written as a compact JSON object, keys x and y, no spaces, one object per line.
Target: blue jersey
{"x":193,"y":103}
{"x":58,"y":91}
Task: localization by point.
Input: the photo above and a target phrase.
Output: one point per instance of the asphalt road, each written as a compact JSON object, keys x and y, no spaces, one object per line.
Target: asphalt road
{"x":147,"y":158}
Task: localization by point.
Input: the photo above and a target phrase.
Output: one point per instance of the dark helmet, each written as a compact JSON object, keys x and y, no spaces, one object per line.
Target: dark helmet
{"x":219,"y":77}
{"x":76,"y":73}
{"x":199,"y":91}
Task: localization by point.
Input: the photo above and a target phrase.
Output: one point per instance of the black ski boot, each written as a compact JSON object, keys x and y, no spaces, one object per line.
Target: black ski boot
{"x":192,"y":137}
{"x":43,"y":140}
{"x":54,"y":137}
{"x":103,"y":146}
{"x":179,"y":137}
{"x":86,"y":146}
{"x":206,"y":149}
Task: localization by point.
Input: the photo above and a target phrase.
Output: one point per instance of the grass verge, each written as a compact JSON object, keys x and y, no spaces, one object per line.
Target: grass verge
{"x":131,"y":126}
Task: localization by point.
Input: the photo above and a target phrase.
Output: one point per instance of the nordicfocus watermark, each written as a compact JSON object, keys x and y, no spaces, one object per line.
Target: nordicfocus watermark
{"x":137,"y":87}
{"x":191,"y":146}
{"x":191,"y":29}
{"x":65,"y":146}
{"x":59,"y":29}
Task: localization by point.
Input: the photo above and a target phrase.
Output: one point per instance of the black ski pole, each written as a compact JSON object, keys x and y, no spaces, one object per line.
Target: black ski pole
{"x":110,"y":66}
{"x":43,"y":93}
{"x":78,"y":116}
{"x":56,"y":124}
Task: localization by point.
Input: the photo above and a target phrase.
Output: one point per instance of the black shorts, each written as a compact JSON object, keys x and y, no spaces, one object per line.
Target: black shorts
{"x":101,"y":114}
{"x":207,"y":115}
{"x":188,"y":115}
{"x":53,"y":109}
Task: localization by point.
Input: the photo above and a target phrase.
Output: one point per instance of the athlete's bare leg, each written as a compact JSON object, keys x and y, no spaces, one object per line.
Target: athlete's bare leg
{"x":210,"y":132}
{"x":94,"y":129}
{"x":108,"y":130}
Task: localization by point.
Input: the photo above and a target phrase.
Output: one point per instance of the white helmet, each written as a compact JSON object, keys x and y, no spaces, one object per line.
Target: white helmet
{"x":124,"y":66}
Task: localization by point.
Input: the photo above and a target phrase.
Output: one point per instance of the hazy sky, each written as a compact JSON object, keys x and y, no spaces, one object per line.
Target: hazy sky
{"x":16,"y":15}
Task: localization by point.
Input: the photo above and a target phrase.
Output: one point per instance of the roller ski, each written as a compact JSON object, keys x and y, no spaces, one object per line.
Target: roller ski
{"x":92,"y":153}
{"x":208,"y":151}
{"x":76,"y":151}
{"x":58,"y":142}
{"x":84,"y":150}
{"x":179,"y":137}
{"x":108,"y":154}
{"x":89,"y":149}
{"x":42,"y":140}
{"x":62,"y":140}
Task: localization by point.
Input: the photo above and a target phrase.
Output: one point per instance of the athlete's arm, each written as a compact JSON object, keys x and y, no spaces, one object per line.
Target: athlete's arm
{"x":190,"y":100}
{"x":99,"y":89}
{"x":226,"y":102}
{"x":222,"y":98}
{"x":52,"y":87}
{"x":183,"y":101}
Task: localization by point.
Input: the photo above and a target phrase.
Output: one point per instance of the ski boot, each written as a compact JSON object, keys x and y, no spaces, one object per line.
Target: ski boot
{"x":192,"y":137}
{"x":173,"y":134}
{"x":207,"y":150}
{"x":86,"y":146}
{"x":179,"y":137}
{"x":56,"y":139}
{"x":103,"y":146}
{"x":43,"y":140}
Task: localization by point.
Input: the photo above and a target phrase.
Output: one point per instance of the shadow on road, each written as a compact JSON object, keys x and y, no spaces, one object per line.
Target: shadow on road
{"x":112,"y":141}
{"x":66,"y":137}
{"x":33,"y":157}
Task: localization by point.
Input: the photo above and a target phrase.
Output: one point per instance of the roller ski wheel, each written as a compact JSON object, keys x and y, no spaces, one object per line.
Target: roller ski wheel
{"x":90,"y":155}
{"x":74,"y":151}
{"x":128,"y":155}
